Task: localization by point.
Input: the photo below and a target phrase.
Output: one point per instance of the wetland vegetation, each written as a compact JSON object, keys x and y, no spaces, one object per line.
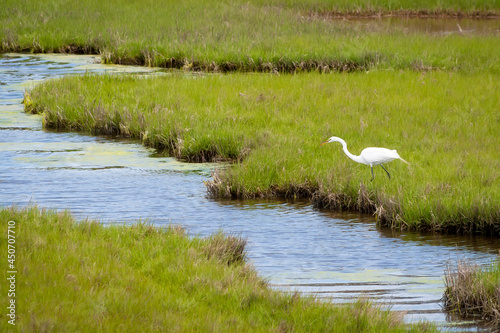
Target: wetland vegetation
{"x":283,"y":36}
{"x":445,"y":124}
{"x":474,"y":291}
{"x":84,"y":276}
{"x":433,"y":97}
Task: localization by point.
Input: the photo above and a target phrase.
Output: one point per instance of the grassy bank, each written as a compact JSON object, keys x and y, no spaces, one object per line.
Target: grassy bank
{"x":445,"y":124}
{"x":474,"y":291}
{"x":284,"y":36}
{"x":82,"y":276}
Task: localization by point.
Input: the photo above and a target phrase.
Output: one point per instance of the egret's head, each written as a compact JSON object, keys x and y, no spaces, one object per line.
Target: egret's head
{"x":332,"y":139}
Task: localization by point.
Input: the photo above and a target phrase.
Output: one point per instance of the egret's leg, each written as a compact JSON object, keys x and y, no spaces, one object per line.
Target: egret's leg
{"x":386,"y":171}
{"x":373,"y":177}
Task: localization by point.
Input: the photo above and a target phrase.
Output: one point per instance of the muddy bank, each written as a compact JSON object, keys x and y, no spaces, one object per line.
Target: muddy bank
{"x":387,"y":210}
{"x":407,"y":13}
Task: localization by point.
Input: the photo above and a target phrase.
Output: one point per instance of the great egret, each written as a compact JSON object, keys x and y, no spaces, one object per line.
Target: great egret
{"x":370,"y":156}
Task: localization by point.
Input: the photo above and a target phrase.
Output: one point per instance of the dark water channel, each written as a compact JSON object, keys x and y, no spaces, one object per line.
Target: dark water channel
{"x":335,"y":256}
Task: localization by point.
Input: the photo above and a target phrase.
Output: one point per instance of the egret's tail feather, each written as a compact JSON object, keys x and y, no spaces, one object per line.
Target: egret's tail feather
{"x":404,"y":161}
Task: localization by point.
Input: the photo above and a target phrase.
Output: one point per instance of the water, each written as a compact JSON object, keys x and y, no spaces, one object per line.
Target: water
{"x":432,"y":26}
{"x":339,"y":257}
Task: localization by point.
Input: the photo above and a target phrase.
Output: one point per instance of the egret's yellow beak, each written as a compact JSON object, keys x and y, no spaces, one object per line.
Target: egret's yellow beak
{"x":324,"y":142}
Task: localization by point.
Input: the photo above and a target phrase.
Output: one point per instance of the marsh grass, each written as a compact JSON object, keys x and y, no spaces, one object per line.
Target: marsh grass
{"x":445,"y":124}
{"x":257,"y":36}
{"x":82,"y":276}
{"x":229,"y":249}
{"x":473,"y":291}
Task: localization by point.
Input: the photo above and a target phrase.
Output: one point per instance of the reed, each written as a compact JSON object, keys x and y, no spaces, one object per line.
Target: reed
{"x":82,"y":276}
{"x":445,"y":124}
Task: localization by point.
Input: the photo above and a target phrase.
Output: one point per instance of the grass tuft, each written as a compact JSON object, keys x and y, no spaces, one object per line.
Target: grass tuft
{"x":473,"y":291}
{"x":229,"y":249}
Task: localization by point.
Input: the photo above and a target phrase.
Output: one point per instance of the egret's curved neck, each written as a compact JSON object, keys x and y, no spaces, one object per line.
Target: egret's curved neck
{"x":348,"y":153}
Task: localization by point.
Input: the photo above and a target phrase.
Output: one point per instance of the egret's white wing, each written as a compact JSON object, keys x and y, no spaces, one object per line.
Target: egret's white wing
{"x":375,"y":156}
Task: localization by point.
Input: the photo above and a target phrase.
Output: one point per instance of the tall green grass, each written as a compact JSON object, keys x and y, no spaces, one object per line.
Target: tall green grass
{"x":81,"y":276}
{"x":445,"y":124}
{"x":283,"y":36}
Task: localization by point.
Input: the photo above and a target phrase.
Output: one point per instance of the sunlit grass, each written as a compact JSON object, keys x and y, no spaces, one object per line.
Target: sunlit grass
{"x":445,"y":124}
{"x":82,"y":276}
{"x":279,"y":36}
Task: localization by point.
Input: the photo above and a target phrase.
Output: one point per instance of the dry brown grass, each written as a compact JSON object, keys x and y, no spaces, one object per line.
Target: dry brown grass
{"x":216,"y":187}
{"x":468,"y":293}
{"x":229,"y":249}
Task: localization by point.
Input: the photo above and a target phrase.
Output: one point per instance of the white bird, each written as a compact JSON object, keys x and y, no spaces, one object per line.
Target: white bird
{"x":370,"y":156}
